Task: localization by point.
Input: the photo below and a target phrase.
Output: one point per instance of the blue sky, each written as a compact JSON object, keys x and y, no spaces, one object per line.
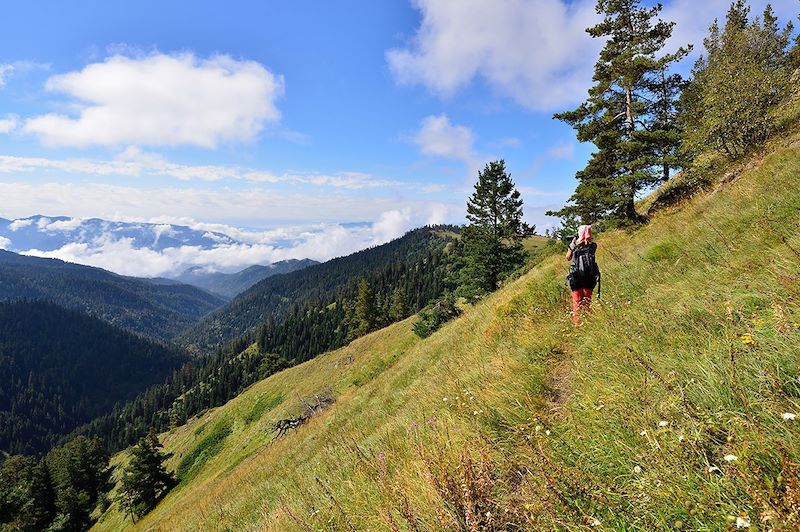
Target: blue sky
{"x":276,"y":114}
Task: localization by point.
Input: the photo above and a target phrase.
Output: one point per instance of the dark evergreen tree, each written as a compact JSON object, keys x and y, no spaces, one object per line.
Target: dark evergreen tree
{"x":27,"y":501}
{"x":492,"y":241}
{"x":364,"y":311}
{"x":145,"y":480}
{"x":398,"y":308}
{"x":629,"y":114}
{"x":80,"y":474}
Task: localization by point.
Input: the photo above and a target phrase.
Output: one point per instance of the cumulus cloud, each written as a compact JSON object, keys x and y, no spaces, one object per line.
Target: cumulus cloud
{"x":438,"y":137}
{"x":535,"y":52}
{"x":161,"y":99}
{"x":64,"y":226}
{"x":319,"y":242}
{"x":19,"y":224}
{"x":5,"y":243}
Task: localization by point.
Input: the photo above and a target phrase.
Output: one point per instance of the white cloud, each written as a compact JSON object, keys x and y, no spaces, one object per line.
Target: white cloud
{"x":320,"y":242}
{"x":8,"y":124}
{"x":535,"y":52}
{"x":19,"y":224}
{"x":65,"y":226}
{"x":438,"y":137}
{"x":162,"y":99}
{"x":392,"y":224}
{"x":5,"y":243}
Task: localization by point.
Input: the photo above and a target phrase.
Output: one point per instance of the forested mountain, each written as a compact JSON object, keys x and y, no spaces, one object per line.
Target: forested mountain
{"x":151,"y":308}
{"x":408,"y":262}
{"x":60,"y":368}
{"x":308,"y":312}
{"x":230,"y":284}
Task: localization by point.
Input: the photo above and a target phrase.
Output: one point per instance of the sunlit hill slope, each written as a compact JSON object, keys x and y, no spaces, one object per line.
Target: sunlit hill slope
{"x":671,"y":407}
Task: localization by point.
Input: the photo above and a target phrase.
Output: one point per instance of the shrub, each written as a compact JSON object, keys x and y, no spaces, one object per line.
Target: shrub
{"x":435,"y":315}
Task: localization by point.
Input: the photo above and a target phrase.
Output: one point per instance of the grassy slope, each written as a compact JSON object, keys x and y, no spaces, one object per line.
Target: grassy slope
{"x":509,"y":415}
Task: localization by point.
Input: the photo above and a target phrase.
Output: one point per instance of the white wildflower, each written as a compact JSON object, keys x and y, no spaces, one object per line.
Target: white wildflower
{"x":788,"y":416}
{"x":475,"y":413}
{"x":731,"y":457}
{"x":681,"y":438}
{"x":637,"y":469}
{"x":663,"y":424}
{"x":743,"y":521}
{"x":444,"y":399}
{"x":713,"y":469}
{"x":643,"y":433}
{"x":547,"y":433}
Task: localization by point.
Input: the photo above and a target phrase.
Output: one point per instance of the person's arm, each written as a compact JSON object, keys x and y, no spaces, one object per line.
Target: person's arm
{"x":571,"y":248}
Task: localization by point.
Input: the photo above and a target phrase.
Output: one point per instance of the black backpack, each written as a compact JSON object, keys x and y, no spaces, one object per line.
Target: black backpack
{"x":584,"y":272}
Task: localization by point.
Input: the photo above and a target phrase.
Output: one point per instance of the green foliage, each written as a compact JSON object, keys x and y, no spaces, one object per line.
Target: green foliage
{"x":27,"y":501}
{"x":263,"y":404}
{"x":630,"y":114}
{"x":364,"y":314}
{"x":731,"y":104}
{"x":144,"y":479}
{"x":60,"y":369}
{"x":299,"y":303}
{"x":491,"y":244}
{"x":211,"y":444}
{"x":80,"y":476}
{"x":432,"y":317}
{"x":139,"y":305}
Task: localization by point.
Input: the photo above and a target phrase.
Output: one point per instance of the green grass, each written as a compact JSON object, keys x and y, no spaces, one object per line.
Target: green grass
{"x":510,"y":417}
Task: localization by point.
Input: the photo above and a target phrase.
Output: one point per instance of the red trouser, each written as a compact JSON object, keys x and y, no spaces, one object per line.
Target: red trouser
{"x":581,"y":298}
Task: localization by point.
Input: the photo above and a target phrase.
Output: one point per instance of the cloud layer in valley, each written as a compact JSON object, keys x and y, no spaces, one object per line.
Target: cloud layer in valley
{"x":165,"y":249}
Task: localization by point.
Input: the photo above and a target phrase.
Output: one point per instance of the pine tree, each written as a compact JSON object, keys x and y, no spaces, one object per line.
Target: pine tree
{"x":492,"y":241}
{"x":144,"y":479}
{"x":629,"y":114}
{"x":398,"y":308}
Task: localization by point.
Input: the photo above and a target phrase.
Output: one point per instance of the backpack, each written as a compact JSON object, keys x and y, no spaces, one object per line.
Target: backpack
{"x":584,"y":272}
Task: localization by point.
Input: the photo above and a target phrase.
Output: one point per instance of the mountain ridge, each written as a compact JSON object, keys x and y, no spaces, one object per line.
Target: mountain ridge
{"x":155,"y":310}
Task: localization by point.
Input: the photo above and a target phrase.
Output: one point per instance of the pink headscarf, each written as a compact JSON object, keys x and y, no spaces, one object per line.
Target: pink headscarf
{"x":585,"y":233}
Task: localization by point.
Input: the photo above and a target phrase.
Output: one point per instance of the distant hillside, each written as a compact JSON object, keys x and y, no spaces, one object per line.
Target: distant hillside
{"x":311,"y":313}
{"x":320,"y":286}
{"x":60,"y":368}
{"x":229,"y":285}
{"x":149,"y":308}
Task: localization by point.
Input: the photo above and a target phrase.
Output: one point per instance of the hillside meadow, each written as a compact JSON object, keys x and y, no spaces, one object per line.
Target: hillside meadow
{"x":671,"y":407}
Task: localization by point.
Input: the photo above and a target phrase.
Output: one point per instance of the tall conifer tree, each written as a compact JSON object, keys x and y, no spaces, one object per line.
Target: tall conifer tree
{"x":629,"y":114}
{"x":492,"y":241}
{"x":144,"y":480}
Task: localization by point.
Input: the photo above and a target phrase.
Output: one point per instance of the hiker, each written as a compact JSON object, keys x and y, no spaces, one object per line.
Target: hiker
{"x":584,"y":274}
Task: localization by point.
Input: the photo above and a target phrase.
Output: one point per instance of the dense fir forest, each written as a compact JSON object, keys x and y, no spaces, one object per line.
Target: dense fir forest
{"x":312,"y":311}
{"x":404,"y":262}
{"x":138,"y":305}
{"x":60,"y":368}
